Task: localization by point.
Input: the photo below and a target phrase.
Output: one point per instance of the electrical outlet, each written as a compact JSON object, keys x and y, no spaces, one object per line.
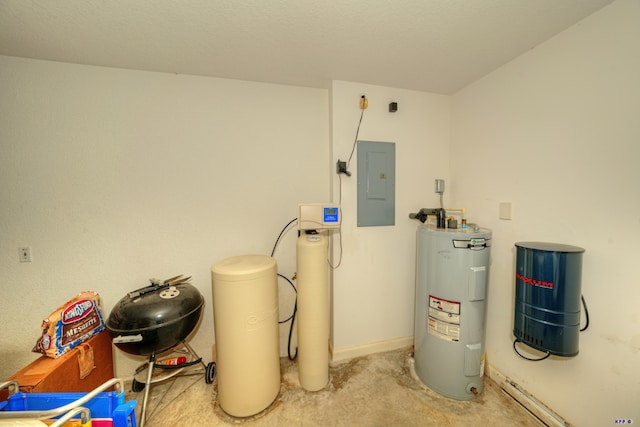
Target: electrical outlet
{"x":24,"y":254}
{"x":341,"y":167}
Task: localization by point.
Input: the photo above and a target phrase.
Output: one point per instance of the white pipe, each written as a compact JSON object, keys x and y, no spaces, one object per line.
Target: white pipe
{"x":463,"y":215}
{"x":463,"y":211}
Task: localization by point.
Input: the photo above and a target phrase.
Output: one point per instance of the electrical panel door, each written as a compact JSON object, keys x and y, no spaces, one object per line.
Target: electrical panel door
{"x":376,"y":183}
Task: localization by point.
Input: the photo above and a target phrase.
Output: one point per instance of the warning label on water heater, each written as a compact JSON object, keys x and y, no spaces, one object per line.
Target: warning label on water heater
{"x":444,"y":319}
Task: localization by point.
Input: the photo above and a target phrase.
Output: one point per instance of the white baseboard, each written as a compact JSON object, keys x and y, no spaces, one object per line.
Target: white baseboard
{"x":538,"y":409}
{"x":347,"y":353}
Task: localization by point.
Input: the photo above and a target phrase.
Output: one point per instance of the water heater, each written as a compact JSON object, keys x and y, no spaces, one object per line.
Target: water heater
{"x":452,"y":273}
{"x":548,"y":296}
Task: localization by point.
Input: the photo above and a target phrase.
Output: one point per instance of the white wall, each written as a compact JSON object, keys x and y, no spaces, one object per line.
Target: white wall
{"x":557,"y":133}
{"x":115,"y":176}
{"x":373,"y":289}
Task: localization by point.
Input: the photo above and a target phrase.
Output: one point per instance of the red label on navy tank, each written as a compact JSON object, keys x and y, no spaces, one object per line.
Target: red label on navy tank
{"x":534,"y":282}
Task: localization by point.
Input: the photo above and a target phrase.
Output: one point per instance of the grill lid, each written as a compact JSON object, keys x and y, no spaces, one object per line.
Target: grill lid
{"x":156,"y":317}
{"x":153,"y":306}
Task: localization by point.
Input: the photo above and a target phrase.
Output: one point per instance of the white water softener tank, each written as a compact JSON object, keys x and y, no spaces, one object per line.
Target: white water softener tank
{"x":452,"y":272}
{"x":245,"y":313}
{"x":313,"y":310}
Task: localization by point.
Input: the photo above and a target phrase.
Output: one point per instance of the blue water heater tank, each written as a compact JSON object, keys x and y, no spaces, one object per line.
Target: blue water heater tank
{"x":548,"y":296}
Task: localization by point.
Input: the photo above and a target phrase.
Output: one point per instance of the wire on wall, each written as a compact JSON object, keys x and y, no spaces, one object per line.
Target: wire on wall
{"x":333,"y":267}
{"x":363,"y":106}
{"x":357,"y":132}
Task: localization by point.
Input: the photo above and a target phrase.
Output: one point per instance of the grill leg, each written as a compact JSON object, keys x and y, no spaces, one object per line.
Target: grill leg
{"x":194,"y":355}
{"x":143,"y":409}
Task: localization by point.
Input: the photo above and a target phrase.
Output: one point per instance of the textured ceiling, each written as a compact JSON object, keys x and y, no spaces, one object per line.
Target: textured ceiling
{"x":437,"y":46}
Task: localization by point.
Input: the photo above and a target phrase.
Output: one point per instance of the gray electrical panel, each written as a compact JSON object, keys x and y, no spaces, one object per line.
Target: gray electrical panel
{"x":376,"y":183}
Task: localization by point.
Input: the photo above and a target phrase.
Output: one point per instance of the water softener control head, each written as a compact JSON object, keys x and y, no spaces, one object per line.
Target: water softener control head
{"x":319,"y":216}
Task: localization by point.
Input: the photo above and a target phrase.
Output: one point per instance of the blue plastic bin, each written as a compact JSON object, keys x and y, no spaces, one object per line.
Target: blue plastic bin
{"x":107,"y":405}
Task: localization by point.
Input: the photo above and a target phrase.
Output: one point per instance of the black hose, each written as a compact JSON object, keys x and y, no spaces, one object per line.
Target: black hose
{"x":528,"y":358}
{"x":293,"y":320}
{"x":586,"y":314}
{"x":296,"y":292}
{"x":295,"y":305}
{"x":273,"y":251}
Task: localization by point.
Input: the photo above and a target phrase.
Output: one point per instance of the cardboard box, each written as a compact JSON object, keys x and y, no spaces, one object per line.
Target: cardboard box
{"x":62,"y":374}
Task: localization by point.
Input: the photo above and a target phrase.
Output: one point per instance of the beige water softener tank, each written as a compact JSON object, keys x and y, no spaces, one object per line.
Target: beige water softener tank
{"x":245,"y":313}
{"x":313,"y":310}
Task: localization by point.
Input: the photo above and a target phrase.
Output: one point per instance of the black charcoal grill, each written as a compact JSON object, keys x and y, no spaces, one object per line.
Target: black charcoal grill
{"x":154,"y":319}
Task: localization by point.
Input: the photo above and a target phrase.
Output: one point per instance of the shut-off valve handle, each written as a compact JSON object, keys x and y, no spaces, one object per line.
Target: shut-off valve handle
{"x":423,"y":213}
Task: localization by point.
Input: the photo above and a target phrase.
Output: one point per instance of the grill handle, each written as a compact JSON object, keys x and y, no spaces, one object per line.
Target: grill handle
{"x":120,"y":339}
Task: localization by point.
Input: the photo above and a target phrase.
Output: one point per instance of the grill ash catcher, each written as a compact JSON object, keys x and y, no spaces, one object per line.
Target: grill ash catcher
{"x":154,"y":319}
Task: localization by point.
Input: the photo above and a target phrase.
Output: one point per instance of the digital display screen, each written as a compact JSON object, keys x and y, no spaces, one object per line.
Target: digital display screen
{"x":330,"y":214}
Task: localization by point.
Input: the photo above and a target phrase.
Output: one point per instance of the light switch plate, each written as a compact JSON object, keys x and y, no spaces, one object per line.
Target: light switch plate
{"x":505,"y":210}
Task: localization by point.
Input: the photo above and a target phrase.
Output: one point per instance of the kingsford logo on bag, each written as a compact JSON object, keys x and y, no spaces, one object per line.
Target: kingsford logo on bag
{"x":71,"y":324}
{"x":77,"y":311}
